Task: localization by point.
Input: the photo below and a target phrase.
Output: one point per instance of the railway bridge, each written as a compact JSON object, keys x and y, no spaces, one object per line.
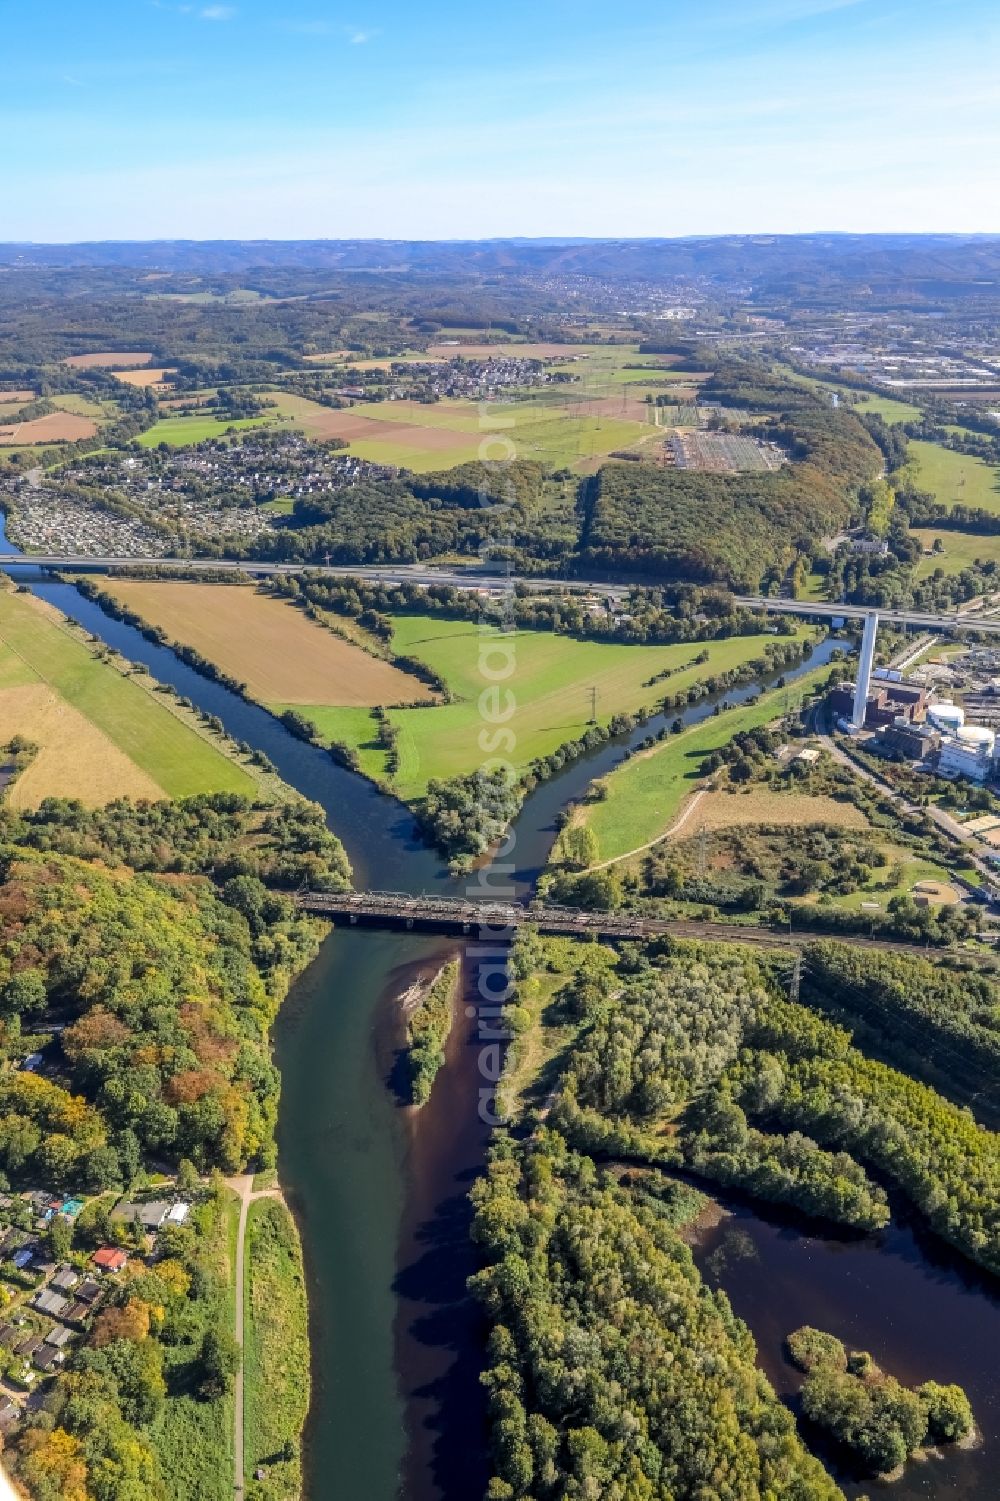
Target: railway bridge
{"x":458,"y":915}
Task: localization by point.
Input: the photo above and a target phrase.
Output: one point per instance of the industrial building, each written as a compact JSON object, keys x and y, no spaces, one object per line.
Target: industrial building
{"x":969,"y":753}
{"x":884,"y":704}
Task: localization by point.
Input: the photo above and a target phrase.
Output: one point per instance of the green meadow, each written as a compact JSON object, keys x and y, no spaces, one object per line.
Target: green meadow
{"x":961,"y":550}
{"x":954,"y":478}
{"x":645,"y":794}
{"x":550,"y":686}
{"x":178,"y":432}
{"x":885,"y":406}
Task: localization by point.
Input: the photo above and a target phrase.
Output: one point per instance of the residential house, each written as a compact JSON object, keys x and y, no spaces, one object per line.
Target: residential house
{"x":65,"y":1279}
{"x":51,"y":1303}
{"x":110,"y":1260}
{"x":150,"y":1216}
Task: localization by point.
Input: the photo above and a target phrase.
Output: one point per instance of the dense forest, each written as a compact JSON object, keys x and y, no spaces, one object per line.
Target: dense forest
{"x":612,"y":1370}
{"x":744,"y":530}
{"x":163,"y":978}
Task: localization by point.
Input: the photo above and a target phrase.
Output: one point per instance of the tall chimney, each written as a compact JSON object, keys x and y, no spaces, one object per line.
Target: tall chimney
{"x":865,"y":670}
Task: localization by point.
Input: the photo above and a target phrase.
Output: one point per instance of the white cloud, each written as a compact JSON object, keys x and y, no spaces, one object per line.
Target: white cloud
{"x":218,"y":12}
{"x":358,"y":38}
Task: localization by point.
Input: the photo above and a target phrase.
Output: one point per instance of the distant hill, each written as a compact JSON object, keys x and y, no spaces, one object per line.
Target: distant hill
{"x":920,"y":268}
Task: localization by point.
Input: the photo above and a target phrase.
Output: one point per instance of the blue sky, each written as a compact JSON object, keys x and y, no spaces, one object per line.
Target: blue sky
{"x":288,"y":118}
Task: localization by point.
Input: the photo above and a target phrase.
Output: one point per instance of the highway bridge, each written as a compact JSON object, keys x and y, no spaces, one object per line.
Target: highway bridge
{"x":442,"y":914}
{"x":496,"y":584}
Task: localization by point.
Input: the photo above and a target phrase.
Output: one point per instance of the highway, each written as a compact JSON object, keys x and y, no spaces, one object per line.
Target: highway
{"x":495,"y":584}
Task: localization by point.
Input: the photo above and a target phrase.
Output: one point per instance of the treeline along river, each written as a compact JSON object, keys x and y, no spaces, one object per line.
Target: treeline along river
{"x":380,"y":1193}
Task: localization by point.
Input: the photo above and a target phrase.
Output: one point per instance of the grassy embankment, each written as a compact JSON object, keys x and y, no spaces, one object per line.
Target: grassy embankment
{"x":645,"y":796}
{"x":101,"y":734}
{"x":276,"y":1359}
{"x":193,"y":1438}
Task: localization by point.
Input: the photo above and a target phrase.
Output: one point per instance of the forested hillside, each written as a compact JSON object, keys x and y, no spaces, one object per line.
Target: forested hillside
{"x":744,"y":530}
{"x":163,"y":985}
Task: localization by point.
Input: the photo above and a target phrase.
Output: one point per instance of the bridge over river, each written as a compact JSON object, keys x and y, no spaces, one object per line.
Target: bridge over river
{"x":443,"y":914}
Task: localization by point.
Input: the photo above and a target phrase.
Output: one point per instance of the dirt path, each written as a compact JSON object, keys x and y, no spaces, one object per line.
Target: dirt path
{"x":242,"y":1187}
{"x":674,"y":828}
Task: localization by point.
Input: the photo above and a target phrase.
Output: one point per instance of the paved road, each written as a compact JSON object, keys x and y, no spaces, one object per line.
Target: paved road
{"x":493,"y":583}
{"x":243,"y":1188}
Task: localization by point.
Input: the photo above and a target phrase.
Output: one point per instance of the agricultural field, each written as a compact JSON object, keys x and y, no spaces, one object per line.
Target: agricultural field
{"x":599,"y":412}
{"x":57,"y":427}
{"x":102,"y":734}
{"x":426,"y":439}
{"x":83,"y":406}
{"x":268,"y":644}
{"x":178,"y":432}
{"x":757,"y":806}
{"x":143,"y":377}
{"x":551,"y":683}
{"x":954,"y":478}
{"x":109,"y":359}
{"x":645,"y":796}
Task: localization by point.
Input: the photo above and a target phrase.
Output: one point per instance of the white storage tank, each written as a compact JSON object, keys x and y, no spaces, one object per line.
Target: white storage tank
{"x":976,"y":736}
{"x":946,"y":716}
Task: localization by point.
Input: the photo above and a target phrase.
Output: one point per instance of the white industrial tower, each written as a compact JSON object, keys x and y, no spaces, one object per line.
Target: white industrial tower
{"x":865,"y":669}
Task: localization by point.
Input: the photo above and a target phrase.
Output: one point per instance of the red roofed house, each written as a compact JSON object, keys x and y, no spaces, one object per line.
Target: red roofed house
{"x":110,"y":1261}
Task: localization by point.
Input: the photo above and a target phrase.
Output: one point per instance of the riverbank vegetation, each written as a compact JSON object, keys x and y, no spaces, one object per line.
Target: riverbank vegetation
{"x":136,"y":1001}
{"x":612,"y":1370}
{"x":624,"y":1067}
{"x":690,"y":1056}
{"x":276,"y":1374}
{"x":637,"y":802}
{"x":117,"y":956}
{"x":880,"y":1421}
{"x":428,"y":1027}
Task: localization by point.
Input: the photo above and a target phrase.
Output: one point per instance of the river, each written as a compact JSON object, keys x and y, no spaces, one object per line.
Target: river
{"x":380,"y":1193}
